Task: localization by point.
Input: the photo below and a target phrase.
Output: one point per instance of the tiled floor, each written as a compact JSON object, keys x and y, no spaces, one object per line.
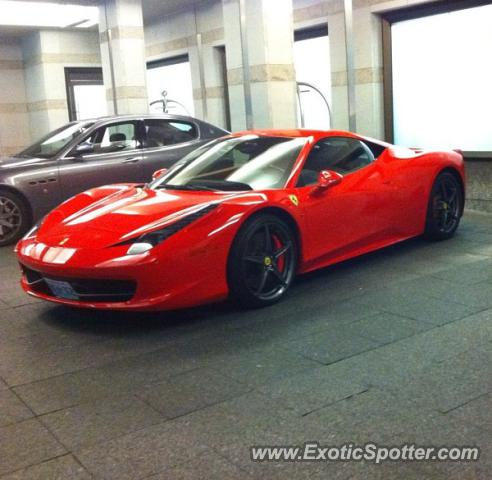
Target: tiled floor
{"x":394,"y":347}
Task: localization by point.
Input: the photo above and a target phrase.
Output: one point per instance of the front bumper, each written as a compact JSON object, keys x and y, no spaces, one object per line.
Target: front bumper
{"x":109,"y":279}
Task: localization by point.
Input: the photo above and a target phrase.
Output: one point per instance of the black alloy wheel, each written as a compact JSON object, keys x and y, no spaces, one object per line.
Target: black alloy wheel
{"x":445,"y":207}
{"x":263,"y":261}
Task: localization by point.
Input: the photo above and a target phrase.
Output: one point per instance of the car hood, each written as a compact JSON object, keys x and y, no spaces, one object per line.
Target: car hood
{"x":124,"y":215}
{"x":19,"y":162}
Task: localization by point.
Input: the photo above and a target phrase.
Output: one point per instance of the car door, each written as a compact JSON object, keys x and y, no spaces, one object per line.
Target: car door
{"x":166,"y":141}
{"x":111,"y":153}
{"x":349,"y":216}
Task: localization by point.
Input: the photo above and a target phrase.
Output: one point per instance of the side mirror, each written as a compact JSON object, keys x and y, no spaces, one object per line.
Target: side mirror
{"x":158,"y":173}
{"x":83,"y":149}
{"x":328,"y":178}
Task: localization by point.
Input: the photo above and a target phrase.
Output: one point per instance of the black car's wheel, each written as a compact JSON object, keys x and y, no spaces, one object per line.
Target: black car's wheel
{"x":262,"y":262}
{"x":14,"y":218}
{"x":445,"y":207}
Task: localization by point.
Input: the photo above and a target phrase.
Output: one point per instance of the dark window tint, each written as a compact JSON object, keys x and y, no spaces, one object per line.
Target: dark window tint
{"x":113,"y":138}
{"x":209,"y":131}
{"x":53,"y":143}
{"x":250,"y":161}
{"x":375,"y":148}
{"x":340,"y":154}
{"x":160,"y":133}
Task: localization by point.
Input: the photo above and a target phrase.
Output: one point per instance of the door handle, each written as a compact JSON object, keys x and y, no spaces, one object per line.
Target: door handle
{"x":131,"y":160}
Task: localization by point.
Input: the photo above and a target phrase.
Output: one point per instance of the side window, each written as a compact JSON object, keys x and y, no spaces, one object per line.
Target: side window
{"x":161,"y":133}
{"x":113,"y":138}
{"x":340,"y":154}
{"x":376,"y":149}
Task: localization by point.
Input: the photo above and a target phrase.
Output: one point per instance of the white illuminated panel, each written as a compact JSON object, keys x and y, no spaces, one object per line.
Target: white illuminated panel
{"x":176,"y":80}
{"x":312,"y":64}
{"x":46,"y":14}
{"x":442,"y":80}
{"x":90,"y":101}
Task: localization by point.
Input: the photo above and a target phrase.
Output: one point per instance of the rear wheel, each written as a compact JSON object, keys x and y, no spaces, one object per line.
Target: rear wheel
{"x":445,"y":207}
{"x":14,"y":217}
{"x":263,"y":261}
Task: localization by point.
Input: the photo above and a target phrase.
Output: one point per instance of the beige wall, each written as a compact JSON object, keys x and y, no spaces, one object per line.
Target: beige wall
{"x":176,"y":35}
{"x":14,"y":122}
{"x":45,"y":55}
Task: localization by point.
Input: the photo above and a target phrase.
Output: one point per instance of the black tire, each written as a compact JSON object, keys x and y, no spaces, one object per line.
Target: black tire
{"x":260,"y":272}
{"x":445,"y":207}
{"x":14,"y":217}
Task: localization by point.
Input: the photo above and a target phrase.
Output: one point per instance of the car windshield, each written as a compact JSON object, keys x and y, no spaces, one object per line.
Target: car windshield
{"x":248,"y":162}
{"x":55,"y":141}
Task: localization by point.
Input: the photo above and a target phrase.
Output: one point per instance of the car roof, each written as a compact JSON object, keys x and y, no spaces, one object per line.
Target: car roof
{"x":305,"y":133}
{"x":165,"y":116}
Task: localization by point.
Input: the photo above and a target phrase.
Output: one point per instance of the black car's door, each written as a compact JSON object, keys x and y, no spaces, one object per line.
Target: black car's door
{"x":166,"y":141}
{"x":109,"y":154}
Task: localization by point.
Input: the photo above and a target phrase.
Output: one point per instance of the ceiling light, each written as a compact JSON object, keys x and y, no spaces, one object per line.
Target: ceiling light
{"x":87,"y":23}
{"x":44,"y":14}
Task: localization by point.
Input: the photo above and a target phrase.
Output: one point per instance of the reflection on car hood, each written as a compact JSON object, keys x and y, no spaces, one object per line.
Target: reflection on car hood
{"x":121,"y":216}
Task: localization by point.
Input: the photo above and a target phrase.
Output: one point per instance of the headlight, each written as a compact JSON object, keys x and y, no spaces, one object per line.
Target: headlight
{"x":147,"y":241}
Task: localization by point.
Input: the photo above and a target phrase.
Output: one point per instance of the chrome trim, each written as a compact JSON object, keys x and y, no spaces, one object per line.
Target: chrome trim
{"x":316,"y":89}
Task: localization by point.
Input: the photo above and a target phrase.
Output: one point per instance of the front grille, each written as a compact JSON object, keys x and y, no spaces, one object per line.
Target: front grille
{"x":86,"y":290}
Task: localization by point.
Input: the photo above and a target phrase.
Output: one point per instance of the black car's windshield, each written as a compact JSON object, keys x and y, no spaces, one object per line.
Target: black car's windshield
{"x":55,"y":141}
{"x":248,"y":162}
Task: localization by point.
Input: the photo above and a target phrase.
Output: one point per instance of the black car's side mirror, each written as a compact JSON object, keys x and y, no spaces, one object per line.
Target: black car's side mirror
{"x":83,"y":149}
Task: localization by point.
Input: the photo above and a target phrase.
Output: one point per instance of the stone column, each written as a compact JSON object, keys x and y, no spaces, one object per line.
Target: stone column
{"x":368,"y":69}
{"x":121,"y":35}
{"x":268,"y":87}
{"x":46,"y":54}
{"x":369,"y":72}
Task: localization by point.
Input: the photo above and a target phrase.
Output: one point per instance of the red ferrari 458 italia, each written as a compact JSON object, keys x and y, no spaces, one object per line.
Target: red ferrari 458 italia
{"x":240,"y":217}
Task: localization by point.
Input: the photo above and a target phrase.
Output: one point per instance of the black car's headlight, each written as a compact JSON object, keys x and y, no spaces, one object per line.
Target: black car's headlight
{"x":149,"y":240}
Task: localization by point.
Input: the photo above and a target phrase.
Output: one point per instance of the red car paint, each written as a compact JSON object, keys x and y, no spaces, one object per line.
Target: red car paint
{"x":370,"y":208}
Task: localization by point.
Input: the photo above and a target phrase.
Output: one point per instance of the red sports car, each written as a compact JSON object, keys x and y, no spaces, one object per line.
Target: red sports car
{"x":240,"y":217}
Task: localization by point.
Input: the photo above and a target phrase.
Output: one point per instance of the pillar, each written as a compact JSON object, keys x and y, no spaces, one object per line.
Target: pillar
{"x":121,"y":35}
{"x":260,"y":63}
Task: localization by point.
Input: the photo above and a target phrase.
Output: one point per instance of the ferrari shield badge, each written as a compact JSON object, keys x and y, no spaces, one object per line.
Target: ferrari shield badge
{"x":294,"y":199}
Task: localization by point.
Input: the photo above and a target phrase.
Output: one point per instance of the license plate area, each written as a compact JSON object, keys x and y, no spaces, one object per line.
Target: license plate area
{"x":61,"y":289}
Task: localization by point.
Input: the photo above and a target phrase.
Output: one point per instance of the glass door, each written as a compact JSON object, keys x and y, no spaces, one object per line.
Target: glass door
{"x":86,"y":94}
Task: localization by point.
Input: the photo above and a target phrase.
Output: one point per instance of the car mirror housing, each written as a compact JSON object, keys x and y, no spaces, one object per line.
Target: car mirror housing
{"x":83,"y":149}
{"x":328,"y":178}
{"x":158,"y":173}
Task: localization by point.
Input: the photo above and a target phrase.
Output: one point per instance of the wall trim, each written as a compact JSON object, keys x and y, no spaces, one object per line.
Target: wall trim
{"x":127,"y":91}
{"x":271,"y":72}
{"x":11,"y":65}
{"x":19,"y":107}
{"x":122,"y":32}
{"x":63,"y":58}
{"x":49,"y":104}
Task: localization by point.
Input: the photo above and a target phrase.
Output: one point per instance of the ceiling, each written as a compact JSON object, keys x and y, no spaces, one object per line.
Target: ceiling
{"x":151,"y":9}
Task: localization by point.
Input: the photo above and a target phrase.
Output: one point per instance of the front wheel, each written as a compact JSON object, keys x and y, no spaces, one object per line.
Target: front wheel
{"x":445,"y":207}
{"x":14,"y":218}
{"x":263,"y":261}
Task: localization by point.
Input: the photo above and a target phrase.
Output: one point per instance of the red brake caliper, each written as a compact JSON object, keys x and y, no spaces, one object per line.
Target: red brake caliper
{"x":277,"y":244}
